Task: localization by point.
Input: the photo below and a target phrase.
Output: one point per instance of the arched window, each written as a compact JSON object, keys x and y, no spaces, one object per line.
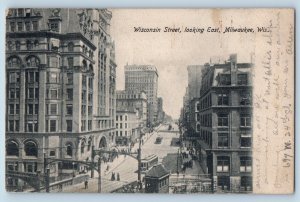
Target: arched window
{"x":29,"y":45}
{"x":70,"y":47}
{"x":82,"y":147}
{"x":31,"y":148}
{"x":13,"y":62}
{"x":69,"y":149}
{"x":12,"y":148}
{"x":32,"y":61}
{"x":18,"y":45}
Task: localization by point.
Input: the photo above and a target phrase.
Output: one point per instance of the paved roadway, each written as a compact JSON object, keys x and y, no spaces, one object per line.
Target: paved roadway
{"x":128,"y":168}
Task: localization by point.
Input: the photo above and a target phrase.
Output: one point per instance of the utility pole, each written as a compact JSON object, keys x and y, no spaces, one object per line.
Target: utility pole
{"x":99,"y":177}
{"x":139,"y":163}
{"x":46,"y":174}
{"x":92,"y":158}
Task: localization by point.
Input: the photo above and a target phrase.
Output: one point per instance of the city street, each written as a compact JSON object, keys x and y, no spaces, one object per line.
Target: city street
{"x":127,"y":168}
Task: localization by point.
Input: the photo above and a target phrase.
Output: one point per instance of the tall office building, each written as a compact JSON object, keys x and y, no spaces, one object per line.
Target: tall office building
{"x":61,"y":74}
{"x":225,"y":143}
{"x":144,"y":78}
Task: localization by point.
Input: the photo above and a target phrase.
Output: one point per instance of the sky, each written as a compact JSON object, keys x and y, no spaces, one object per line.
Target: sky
{"x":171,"y":53}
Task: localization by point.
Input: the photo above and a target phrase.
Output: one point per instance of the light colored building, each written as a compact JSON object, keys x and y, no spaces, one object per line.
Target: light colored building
{"x":61,"y":74}
{"x":144,"y":78}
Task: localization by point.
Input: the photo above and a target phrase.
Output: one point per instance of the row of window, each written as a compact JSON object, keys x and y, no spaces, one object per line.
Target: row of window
{"x":121,"y":117}
{"x":223,"y":141}
{"x":31,"y":61}
{"x":223,"y":164}
{"x":24,"y":26}
{"x":225,"y":79}
{"x":83,"y":110}
{"x":120,"y":133}
{"x":120,"y":125}
{"x":83,"y":125}
{"x":224,"y":183}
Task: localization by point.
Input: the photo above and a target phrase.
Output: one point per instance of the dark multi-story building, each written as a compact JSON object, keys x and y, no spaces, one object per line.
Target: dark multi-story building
{"x":225,"y":144}
{"x":61,"y":74}
{"x":144,"y":78}
{"x":160,"y":110}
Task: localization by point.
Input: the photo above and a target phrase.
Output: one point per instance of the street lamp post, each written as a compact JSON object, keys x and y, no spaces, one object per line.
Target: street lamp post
{"x":73,"y":164}
{"x":139,"y":164}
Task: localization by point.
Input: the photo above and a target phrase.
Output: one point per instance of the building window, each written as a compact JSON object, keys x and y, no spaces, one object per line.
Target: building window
{"x":17,"y":125}
{"x":53,"y":109}
{"x":223,"y":140}
{"x":69,"y":149}
{"x":245,"y":98}
{"x":52,"y":77}
{"x":29,"y":45}
{"x":18,"y":45}
{"x":70,"y":78}
{"x":89,"y":125}
{"x":20,"y":26}
{"x":224,"y":183}
{"x":198,"y":127}
{"x":54,"y":26}
{"x":70,"y":47}
{"x":12,"y":27}
{"x":69,"y":94}
{"x":30,"y":109}
{"x":32,"y":61}
{"x":9,"y":45}
{"x":242,"y":79}
{"x":36,"y":109}
{"x":70,"y":62}
{"x":11,"y":109}
{"x":53,"y":94}
{"x":69,"y":125}
{"x":223,"y":120}
{"x":69,"y":108}
{"x":225,"y":79}
{"x":83,"y":80}
{"x":223,"y":163}
{"x":52,"y":125}
{"x":35,"y":25}
{"x":12,"y":148}
{"x":246,"y":183}
{"x":83,"y":125}
{"x":90,"y":110}
{"x":27,"y":26}
{"x":52,"y":153}
{"x":245,"y":120}
{"x":245,"y":164}
{"x":20,"y":12}
{"x":83,"y":110}
{"x":31,"y":149}
{"x":223,"y":99}
{"x":36,"y":44}
{"x":14,"y":62}
{"x":17,"y":109}
{"x":246,"y":142}
{"x":10,"y":125}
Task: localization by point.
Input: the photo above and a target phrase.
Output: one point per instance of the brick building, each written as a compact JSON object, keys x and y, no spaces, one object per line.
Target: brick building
{"x":225,"y":144}
{"x":61,"y":74}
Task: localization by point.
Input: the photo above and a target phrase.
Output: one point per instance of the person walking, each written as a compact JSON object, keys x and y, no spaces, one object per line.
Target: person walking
{"x":118,"y":176}
{"x":86,"y":184}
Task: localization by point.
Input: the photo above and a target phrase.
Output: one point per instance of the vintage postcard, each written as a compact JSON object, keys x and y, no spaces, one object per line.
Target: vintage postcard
{"x":150,"y":100}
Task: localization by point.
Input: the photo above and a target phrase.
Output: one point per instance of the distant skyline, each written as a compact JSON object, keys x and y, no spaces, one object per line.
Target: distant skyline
{"x":171,"y":53}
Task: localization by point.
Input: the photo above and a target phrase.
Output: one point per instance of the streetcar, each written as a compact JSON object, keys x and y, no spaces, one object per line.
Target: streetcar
{"x":148,"y":162}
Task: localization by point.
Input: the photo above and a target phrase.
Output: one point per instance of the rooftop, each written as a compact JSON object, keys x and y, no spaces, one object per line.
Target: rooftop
{"x":157,"y":171}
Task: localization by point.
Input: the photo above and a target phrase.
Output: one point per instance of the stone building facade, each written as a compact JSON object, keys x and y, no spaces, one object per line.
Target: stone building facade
{"x":61,"y":74}
{"x":144,"y":78}
{"x":225,"y":144}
